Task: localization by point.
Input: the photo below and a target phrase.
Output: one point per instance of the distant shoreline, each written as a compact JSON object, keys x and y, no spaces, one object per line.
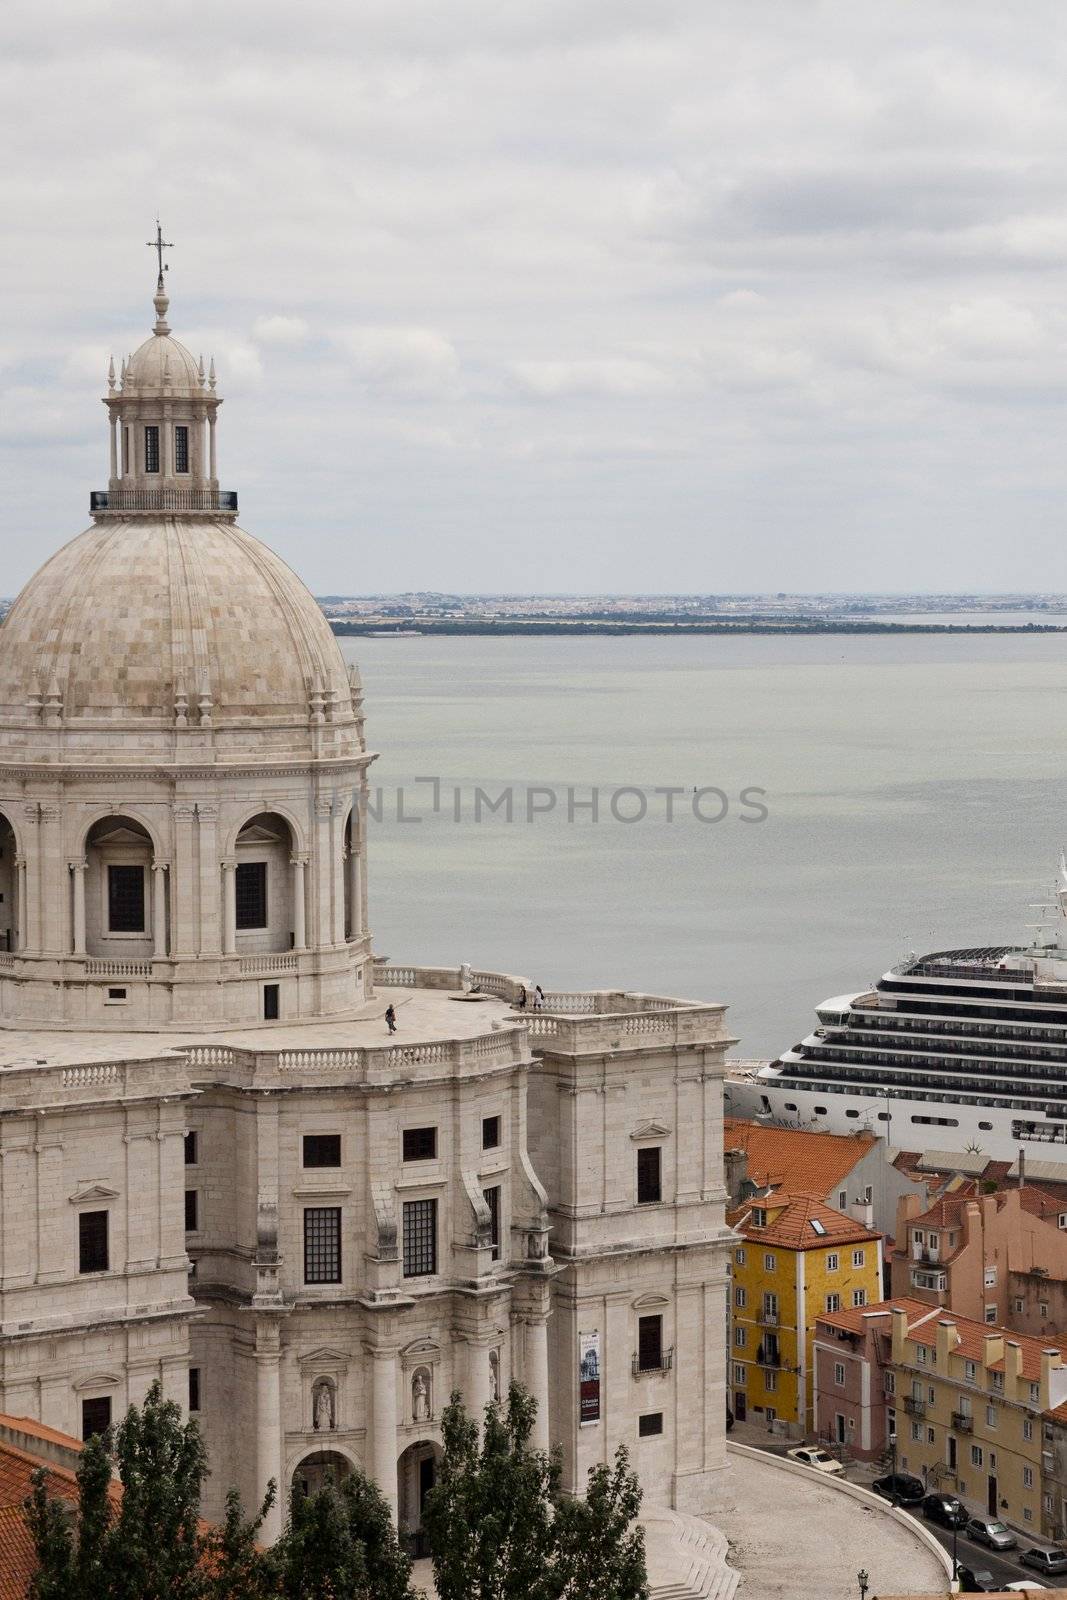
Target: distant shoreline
{"x":425,"y":627}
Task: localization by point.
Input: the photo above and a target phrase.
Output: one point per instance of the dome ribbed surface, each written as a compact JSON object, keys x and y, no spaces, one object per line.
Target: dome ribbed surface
{"x":130,"y":610}
{"x":160,"y":354}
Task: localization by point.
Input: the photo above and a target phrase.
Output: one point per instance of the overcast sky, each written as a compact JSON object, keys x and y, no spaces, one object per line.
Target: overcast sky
{"x":559,"y":294}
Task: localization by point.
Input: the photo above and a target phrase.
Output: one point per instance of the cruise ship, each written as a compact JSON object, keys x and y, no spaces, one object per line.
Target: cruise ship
{"x":959,"y":1050}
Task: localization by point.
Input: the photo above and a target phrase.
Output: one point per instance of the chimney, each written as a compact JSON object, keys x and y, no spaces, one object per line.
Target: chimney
{"x":900,"y":1333}
{"x":992,"y":1349}
{"x":736,"y":1165}
{"x":1022,"y":1169}
{"x":947,"y":1340}
{"x":1013,"y":1365}
{"x":1053,"y":1380}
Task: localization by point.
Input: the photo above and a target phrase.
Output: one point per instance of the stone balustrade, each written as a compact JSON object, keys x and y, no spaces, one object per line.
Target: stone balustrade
{"x":25,"y":1086}
{"x":323,"y":1065}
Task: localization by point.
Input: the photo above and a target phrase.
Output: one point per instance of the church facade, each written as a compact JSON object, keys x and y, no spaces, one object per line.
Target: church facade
{"x":219,"y":1167}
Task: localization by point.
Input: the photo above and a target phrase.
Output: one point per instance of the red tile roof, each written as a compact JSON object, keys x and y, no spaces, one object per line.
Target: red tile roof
{"x":789,"y":1223}
{"x":793,"y":1159}
{"x":923,"y":1321}
{"x":857,"y":1319}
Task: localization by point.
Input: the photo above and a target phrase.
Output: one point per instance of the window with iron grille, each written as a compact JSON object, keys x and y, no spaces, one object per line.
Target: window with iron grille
{"x":322,"y":1244}
{"x":251,"y":894}
{"x":151,"y":448}
{"x":192,"y":1153}
{"x":649,"y":1344}
{"x":125,"y":899}
{"x":649,"y":1186}
{"x":420,"y":1238}
{"x":96,"y":1416}
{"x":492,"y":1200}
{"x":490,"y":1132}
{"x":181,"y":449}
{"x":650,"y":1424}
{"x":92,"y":1241}
{"x":322,"y":1149}
{"x":194,"y":1388}
{"x":420,"y":1144}
{"x":191,"y":1210}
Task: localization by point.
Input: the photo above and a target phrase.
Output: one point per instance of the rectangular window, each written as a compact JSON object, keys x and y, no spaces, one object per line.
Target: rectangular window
{"x":890,"y":1384}
{"x":251,"y":892}
{"x":832,"y":1261}
{"x":768,"y":1263}
{"x":92,"y":1241}
{"x":271,"y":1002}
{"x":991,"y":1313}
{"x":740,"y":1337}
{"x":492,"y":1200}
{"x":859,"y":1297}
{"x":650,"y":1424}
{"x":191,"y":1209}
{"x":916,"y":1432}
{"x":420,"y":1237}
{"x":420,"y":1144}
{"x":1028,"y":1429}
{"x":1028,"y":1477}
{"x":322,"y":1244}
{"x":1035,"y":1394}
{"x":833,"y":1302}
{"x":770,"y":1381}
{"x":649,"y":1187}
{"x":649,"y":1344}
{"x":740,"y":1298}
{"x":194,"y":1388}
{"x":125,"y":899}
{"x":322,"y":1149}
{"x":739,"y":1256}
{"x":970,"y":1370}
{"x":739,"y":1373}
{"x":931,"y":1436}
{"x":151,"y":448}
{"x":192,"y":1150}
{"x":181,"y":448}
{"x":96,"y":1416}
{"x":990,"y":1416}
{"x":839,"y":1374}
{"x":976,"y":1455}
{"x":490,"y":1133}
{"x":857,"y":1258}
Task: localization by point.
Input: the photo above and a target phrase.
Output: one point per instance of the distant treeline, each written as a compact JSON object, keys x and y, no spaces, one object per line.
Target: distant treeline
{"x":662,"y":625}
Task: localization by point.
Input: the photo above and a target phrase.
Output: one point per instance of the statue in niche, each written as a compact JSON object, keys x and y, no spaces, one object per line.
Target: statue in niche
{"x":494,"y":1373}
{"x":421,"y":1409}
{"x":324,"y":1413}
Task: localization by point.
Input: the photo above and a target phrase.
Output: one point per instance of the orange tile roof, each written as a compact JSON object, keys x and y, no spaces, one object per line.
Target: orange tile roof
{"x":793,"y":1159}
{"x":857,"y":1319}
{"x":18,"y":1561}
{"x":789,"y":1219}
{"x":972,"y":1335}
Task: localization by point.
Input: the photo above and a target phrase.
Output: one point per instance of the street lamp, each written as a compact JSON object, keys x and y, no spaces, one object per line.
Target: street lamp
{"x":955,"y":1562}
{"x":863,"y":1578}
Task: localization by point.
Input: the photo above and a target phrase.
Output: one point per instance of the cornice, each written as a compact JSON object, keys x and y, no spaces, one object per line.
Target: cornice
{"x":56,"y":773}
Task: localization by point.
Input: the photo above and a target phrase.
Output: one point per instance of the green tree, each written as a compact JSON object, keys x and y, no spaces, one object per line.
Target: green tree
{"x":340,"y":1544}
{"x":49,"y":1523}
{"x":155,"y":1546}
{"x":237,"y":1569}
{"x":600,"y":1549}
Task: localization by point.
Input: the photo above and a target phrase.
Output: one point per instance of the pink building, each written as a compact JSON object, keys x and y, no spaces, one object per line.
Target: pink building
{"x":853,"y":1382}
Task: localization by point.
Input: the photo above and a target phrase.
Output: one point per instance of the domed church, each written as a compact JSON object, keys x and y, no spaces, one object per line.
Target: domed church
{"x":218,"y":1166}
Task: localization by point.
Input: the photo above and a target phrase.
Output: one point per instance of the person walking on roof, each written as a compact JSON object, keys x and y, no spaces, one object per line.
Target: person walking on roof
{"x":390,"y":1018}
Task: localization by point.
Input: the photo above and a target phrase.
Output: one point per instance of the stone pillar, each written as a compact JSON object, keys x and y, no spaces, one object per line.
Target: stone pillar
{"x":166,"y":464}
{"x":114,"y":446}
{"x":181,"y":884}
{"x":229,"y":908}
{"x":20,"y":863}
{"x":535,"y":1376}
{"x":337,"y":876}
{"x":383,"y":1420}
{"x":300,"y":937}
{"x":269,"y":1421}
{"x":208,"y":816}
{"x":78,"y":870}
{"x":212,"y":474}
{"x":478,"y":1390}
{"x":355,"y":884}
{"x":159,"y":909}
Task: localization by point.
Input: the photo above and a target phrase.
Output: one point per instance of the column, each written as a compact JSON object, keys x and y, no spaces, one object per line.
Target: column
{"x":208,"y":816}
{"x":211,"y":449}
{"x":114,"y":446}
{"x":20,"y":863}
{"x":536,"y":1378}
{"x":299,"y":903}
{"x":383,"y":1418}
{"x":159,"y":909}
{"x":182,"y":929}
{"x":269,"y":1423}
{"x":478,"y":1388}
{"x":78,"y":870}
{"x":355,"y":883}
{"x":166,"y":465}
{"x":229,"y":908}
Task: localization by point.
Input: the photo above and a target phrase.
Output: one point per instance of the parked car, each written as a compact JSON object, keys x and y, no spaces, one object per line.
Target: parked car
{"x":992,"y":1532}
{"x":902,"y":1487}
{"x":976,"y":1580}
{"x":1048,"y":1560}
{"x":944,"y":1509}
{"x":1024,"y":1586}
{"x":809,"y":1455}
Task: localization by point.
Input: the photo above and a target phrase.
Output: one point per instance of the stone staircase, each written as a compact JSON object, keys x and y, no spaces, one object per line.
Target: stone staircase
{"x":687,"y":1558}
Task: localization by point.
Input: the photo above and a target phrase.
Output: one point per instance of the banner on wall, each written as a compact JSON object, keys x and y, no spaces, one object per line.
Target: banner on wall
{"x":589,"y":1376}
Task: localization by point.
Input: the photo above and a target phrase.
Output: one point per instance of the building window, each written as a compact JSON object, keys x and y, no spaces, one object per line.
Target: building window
{"x":1042,"y":1308}
{"x":194,"y":1388}
{"x":650,"y":1425}
{"x":970,"y":1370}
{"x":191,"y":1209}
{"x":490,"y":1133}
{"x":420,"y":1144}
{"x":649,"y":1344}
{"x":739,"y":1256}
{"x":1028,"y":1429}
{"x":768,"y":1263}
{"x":859,"y":1297}
{"x":868,"y":1194}
{"x":990,"y":1416}
{"x":125,"y":899}
{"x":916,"y":1432}
{"x":192,"y":1149}
{"x":931,"y":1437}
{"x":759,"y":1217}
{"x":976,"y":1455}
{"x":322,"y":1244}
{"x":96,"y":1416}
{"x":842,"y":1200}
{"x":1028,"y":1477}
{"x":1017,"y":1305}
{"x":770,"y":1381}
{"x":271,"y":1002}
{"x":839,"y":1374}
{"x":832,"y":1261}
{"x":251,"y":894}
{"x":833,"y":1302}
{"x":920,"y":1354}
{"x":1035,"y":1394}
{"x":991,"y":1313}
{"x":92,"y":1241}
{"x":890,"y":1384}
{"x":492,"y":1200}
{"x":739,"y":1374}
{"x":322,"y":1149}
{"x":996,"y":1380}
{"x":420,"y":1238}
{"x":770,"y":1308}
{"x":649,"y":1186}
{"x":181,"y":448}
{"x":151,"y":448}
{"x":740,"y":1337}
{"x":740,"y":1298}
{"x":857,"y":1258}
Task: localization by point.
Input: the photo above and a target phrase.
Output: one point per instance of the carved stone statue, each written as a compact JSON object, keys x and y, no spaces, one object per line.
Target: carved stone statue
{"x":420,"y":1396}
{"x":494,"y":1373}
{"x":324,"y":1414}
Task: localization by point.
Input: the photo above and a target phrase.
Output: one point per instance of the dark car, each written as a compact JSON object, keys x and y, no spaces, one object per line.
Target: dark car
{"x":975,"y":1580}
{"x":1044,"y":1560}
{"x":945,"y":1509}
{"x":900,"y":1487}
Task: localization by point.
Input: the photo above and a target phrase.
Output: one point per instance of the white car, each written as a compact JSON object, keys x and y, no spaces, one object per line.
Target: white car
{"x":1024,"y":1586}
{"x":809,"y":1455}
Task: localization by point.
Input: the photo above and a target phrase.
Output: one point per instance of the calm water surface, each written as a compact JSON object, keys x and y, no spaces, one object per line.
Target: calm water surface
{"x":916,"y":789}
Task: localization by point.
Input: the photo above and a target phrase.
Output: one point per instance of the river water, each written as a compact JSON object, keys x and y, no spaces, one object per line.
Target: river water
{"x":915,"y":789}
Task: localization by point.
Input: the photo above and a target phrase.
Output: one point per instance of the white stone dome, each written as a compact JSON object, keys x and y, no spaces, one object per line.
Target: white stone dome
{"x":163,"y":362}
{"x":137,"y":612}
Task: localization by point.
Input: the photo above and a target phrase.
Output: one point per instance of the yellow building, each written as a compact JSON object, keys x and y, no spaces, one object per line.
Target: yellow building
{"x":974,"y":1408}
{"x":796,"y":1259}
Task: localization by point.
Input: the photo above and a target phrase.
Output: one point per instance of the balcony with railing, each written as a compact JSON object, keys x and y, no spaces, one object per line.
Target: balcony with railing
{"x":648,"y":1368}
{"x":963,"y":1422}
{"x":914,"y":1406}
{"x":186,"y":502}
